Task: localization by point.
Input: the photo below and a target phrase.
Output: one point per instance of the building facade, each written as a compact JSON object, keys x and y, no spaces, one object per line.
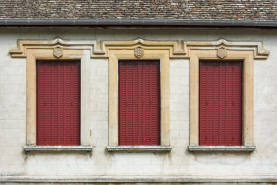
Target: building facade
{"x":148,"y":103}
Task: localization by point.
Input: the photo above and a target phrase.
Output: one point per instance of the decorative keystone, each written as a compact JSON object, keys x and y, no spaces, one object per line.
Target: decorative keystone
{"x":139,"y":52}
{"x":222,"y":52}
{"x":58,"y":52}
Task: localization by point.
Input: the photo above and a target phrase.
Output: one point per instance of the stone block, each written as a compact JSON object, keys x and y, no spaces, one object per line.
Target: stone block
{"x":225,"y":169}
{"x":188,"y":169}
{"x":96,"y":169}
{"x":178,"y":160}
{"x":177,"y":142}
{"x":184,"y":134}
{"x":174,"y":63}
{"x":55,"y":169}
{"x":103,"y":142}
{"x":174,"y":81}
{"x":243,"y":169}
{"x":4,"y":169}
{"x":95,"y":63}
{"x":142,"y":158}
{"x":177,"y":107}
{"x":102,"y":125}
{"x":8,"y":70}
{"x":104,"y":34}
{"x":85,"y":159}
{"x":99,"y":80}
{"x":152,"y":169}
{"x":139,"y":33}
{"x":216,"y":34}
{"x":10,"y":106}
{"x":22,"y":71}
{"x":37,"y":169}
{"x":197,"y":35}
{"x":174,"y":98}
{"x":172,"y":169}
{"x":102,"y":88}
{"x":86,"y":34}
{"x":99,"y":98}
{"x":68,"y":34}
{"x":273,"y":169}
{"x":124,"y":158}
{"x":157,"y":159}
{"x":17,"y":169}
{"x":174,"y":134}
{"x":114,"y":169}
{"x":261,"y":169}
{"x":99,"y":116}
{"x":178,"y":125}
{"x":76,"y":169}
{"x":5,"y":80}
{"x":207,"y":169}
{"x":123,"y":35}
{"x":184,"y":63}
{"x":100,"y":134}
{"x":179,"y":72}
{"x":132,"y":169}
{"x":102,"y":71}
{"x":175,"y":116}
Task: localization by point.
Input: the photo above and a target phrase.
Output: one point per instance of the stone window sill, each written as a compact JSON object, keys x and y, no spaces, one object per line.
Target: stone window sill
{"x":139,"y":148}
{"x":221,"y":148}
{"x":58,"y":148}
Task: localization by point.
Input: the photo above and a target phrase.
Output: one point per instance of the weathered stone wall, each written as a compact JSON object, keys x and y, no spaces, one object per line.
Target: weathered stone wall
{"x":13,"y":161}
{"x":140,"y":9}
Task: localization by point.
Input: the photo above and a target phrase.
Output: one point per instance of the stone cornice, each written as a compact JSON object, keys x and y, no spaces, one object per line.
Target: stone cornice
{"x":177,"y":49}
{"x":139,"y":179}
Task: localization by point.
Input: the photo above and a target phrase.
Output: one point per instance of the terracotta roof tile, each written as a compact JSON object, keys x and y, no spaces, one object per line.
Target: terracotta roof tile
{"x":139,"y":9}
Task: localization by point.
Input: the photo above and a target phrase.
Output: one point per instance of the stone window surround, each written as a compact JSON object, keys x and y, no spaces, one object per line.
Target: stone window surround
{"x":149,"y":54}
{"x":248,"y":99}
{"x":162,"y":50}
{"x":34,"y":54}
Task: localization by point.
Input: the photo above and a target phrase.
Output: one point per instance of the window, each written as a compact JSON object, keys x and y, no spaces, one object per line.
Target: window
{"x":139,"y":102}
{"x":220,"y":103}
{"x":58,"y":103}
{"x":157,"y":134}
{"x":221,"y":90}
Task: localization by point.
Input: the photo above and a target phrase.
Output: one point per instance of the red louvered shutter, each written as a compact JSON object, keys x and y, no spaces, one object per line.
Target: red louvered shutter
{"x":139,"y":103}
{"x":58,"y":103}
{"x":220,"y":105}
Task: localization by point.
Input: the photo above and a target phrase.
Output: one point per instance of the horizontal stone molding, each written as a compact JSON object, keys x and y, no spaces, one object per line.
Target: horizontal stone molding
{"x":257,"y":47}
{"x":24,"y":45}
{"x":100,"y":49}
{"x":221,"y":148}
{"x":58,"y":148}
{"x":139,"y":148}
{"x":139,"y":179}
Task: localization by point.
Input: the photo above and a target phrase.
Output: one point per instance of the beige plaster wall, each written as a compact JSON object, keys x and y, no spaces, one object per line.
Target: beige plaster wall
{"x":13,"y":161}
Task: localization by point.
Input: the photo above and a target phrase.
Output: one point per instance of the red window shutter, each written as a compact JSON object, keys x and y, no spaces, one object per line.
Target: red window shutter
{"x":139,"y":103}
{"x":220,"y":105}
{"x":58,"y":103}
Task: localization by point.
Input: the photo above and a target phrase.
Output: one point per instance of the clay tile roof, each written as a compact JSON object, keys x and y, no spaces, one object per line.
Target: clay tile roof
{"x":139,"y":9}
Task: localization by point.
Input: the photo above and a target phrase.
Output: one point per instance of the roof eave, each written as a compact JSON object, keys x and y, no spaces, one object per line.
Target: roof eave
{"x":136,"y":22}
